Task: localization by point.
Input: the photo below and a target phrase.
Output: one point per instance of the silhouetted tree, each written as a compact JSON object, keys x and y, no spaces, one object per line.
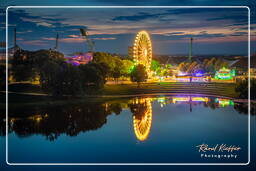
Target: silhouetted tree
{"x":242,"y":88}
{"x":22,"y":66}
{"x":60,"y":78}
{"x":2,"y":77}
{"x":139,"y":74}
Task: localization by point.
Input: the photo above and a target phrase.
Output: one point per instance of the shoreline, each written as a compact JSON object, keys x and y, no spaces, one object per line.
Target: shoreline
{"x":108,"y":97}
{"x":34,"y":96}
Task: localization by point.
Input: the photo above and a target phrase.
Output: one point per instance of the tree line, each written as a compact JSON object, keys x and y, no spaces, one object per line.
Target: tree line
{"x":58,"y":78}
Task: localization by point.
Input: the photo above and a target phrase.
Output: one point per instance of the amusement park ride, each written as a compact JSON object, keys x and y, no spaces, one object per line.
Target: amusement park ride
{"x":90,"y":43}
{"x":84,"y":58}
{"x":224,"y":74}
{"x":142,"y":50}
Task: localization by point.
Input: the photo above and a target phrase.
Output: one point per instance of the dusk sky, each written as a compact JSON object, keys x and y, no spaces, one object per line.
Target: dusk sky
{"x":215,"y":31}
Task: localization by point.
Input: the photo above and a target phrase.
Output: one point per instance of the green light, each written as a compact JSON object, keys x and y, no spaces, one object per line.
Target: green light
{"x":231,"y":103}
{"x":131,"y":69}
{"x":225,"y":74}
{"x":224,"y":102}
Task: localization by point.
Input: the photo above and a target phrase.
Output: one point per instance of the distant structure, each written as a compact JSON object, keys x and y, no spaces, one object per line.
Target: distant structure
{"x":15,"y":38}
{"x":57,"y":42}
{"x":80,"y":58}
{"x":15,"y":46}
{"x":83,"y":57}
{"x":190,"y":49}
{"x":11,"y":50}
{"x":90,"y":43}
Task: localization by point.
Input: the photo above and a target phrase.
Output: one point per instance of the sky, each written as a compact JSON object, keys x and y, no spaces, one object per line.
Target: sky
{"x":214,"y":30}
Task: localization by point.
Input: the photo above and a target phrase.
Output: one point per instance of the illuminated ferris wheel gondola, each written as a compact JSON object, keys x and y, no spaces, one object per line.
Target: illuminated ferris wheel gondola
{"x":142,"y":50}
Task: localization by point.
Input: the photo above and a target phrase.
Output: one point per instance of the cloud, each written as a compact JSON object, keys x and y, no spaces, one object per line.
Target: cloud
{"x":241,"y":19}
{"x":122,"y":25}
{"x":77,"y":39}
{"x":140,"y":16}
{"x":176,"y":33}
{"x":74,"y":36}
{"x":49,"y":38}
{"x":104,"y":38}
{"x":35,"y":42}
{"x":38,"y":22}
{"x":72,"y":40}
{"x":44,"y":24}
{"x":23,"y":32}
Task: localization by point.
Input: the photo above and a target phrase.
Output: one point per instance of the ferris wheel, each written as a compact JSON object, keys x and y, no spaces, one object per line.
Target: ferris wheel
{"x":142,"y":50}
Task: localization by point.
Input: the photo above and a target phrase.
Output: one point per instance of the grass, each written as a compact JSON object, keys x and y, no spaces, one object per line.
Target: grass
{"x":223,"y":89}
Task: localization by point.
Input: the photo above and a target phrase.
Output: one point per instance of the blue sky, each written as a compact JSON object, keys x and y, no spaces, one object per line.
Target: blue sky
{"x":215,"y":31}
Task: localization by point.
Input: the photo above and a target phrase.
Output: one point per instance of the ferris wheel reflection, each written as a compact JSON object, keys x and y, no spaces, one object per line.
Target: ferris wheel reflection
{"x":142,"y":117}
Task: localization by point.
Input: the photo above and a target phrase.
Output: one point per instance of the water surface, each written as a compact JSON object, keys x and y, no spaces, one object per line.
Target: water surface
{"x":163,"y":129}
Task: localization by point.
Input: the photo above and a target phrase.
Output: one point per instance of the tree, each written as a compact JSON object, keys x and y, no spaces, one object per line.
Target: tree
{"x":92,"y":77}
{"x":2,"y":77}
{"x":117,"y":67}
{"x":41,"y":56}
{"x":22,"y":66}
{"x":102,"y":68}
{"x":127,"y":67}
{"x":26,"y":64}
{"x":139,"y":74}
{"x":155,"y":66}
{"x":60,"y":78}
{"x":242,"y":88}
{"x":111,"y":61}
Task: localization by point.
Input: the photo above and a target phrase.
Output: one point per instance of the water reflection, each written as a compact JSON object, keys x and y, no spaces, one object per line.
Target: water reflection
{"x":72,"y":120}
{"x":142,"y":117}
{"x":224,"y":102}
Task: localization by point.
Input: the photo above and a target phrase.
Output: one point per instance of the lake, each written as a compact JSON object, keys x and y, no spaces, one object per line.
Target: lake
{"x":157,"y":129}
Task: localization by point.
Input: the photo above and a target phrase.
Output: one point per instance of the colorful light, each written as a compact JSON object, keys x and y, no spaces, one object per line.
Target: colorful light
{"x":199,"y":79}
{"x":180,"y":99}
{"x":162,"y":101}
{"x":200,"y":99}
{"x":80,"y":59}
{"x":142,"y":50}
{"x":198,"y":74}
{"x":182,"y":73}
{"x":183,"y":79}
{"x":224,"y":102}
{"x":225,"y":74}
{"x":142,"y":125}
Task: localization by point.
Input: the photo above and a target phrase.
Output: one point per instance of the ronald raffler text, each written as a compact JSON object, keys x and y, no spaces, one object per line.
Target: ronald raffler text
{"x":218,"y":148}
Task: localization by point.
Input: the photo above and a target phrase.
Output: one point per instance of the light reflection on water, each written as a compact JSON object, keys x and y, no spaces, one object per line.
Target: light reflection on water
{"x":146,"y":117}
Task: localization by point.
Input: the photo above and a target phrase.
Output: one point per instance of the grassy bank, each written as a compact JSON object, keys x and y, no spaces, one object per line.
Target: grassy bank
{"x":221,"y":89}
{"x":29,"y":95}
